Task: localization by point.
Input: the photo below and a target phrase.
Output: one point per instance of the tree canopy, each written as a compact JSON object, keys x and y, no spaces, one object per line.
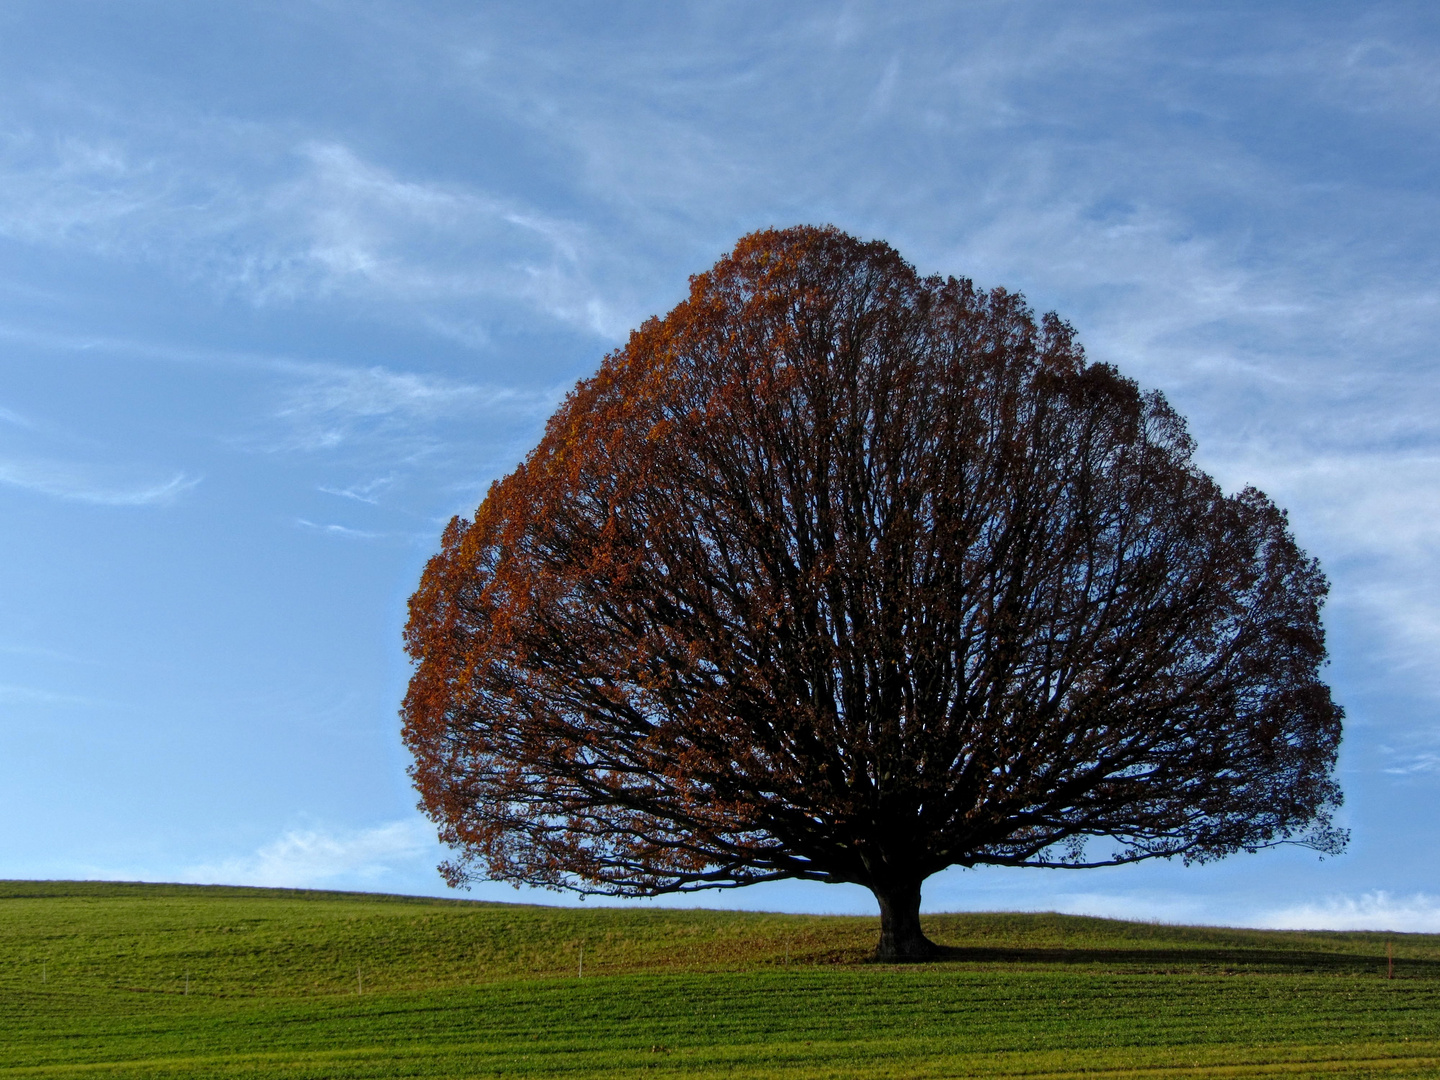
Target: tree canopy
{"x":841,"y":573}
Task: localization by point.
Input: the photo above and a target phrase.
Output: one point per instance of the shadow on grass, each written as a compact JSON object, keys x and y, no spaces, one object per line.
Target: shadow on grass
{"x":1189,"y":960}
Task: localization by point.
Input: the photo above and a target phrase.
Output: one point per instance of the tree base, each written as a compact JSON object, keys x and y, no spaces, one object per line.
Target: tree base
{"x":910,"y":951}
{"x":901,"y":939}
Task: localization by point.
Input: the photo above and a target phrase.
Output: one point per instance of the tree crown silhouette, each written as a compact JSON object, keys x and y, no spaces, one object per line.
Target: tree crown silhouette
{"x":841,"y":573}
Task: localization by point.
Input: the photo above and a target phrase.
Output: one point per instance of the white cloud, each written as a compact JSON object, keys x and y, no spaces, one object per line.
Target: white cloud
{"x":1426,"y":762}
{"x":10,"y":416}
{"x":313,"y":858}
{"x":318,"y":221}
{"x":72,"y":189}
{"x":1418,"y":913}
{"x":368,"y":493}
{"x":338,"y":530}
{"x":11,"y":694}
{"x":1371,"y":517}
{"x":327,"y":405}
{"x":82,"y":484}
{"x":376,"y":391}
{"x":1367,"y":503}
{"x":361,"y":229}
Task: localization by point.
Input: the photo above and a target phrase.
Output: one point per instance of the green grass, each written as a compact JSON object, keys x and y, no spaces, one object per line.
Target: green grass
{"x":93,"y":984}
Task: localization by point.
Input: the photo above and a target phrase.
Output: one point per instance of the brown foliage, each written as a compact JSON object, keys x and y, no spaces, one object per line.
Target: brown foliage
{"x":840,"y":573}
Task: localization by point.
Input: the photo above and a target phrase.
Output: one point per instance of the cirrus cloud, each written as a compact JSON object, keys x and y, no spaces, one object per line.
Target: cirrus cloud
{"x":86,"y":484}
{"x":307,"y":858}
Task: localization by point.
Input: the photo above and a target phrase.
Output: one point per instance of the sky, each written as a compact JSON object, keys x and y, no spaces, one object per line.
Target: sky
{"x":284,"y":286}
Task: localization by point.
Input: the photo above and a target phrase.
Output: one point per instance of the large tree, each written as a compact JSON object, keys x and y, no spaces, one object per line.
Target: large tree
{"x":841,"y":573}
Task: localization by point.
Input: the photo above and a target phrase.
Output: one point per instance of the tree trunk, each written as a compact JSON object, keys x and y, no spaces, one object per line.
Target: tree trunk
{"x":901,"y":939}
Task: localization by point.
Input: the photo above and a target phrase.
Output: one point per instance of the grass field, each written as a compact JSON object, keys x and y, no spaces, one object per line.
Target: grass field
{"x":105,"y":980}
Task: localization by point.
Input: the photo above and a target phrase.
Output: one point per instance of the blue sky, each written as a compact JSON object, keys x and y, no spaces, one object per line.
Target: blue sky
{"x":285,"y":285}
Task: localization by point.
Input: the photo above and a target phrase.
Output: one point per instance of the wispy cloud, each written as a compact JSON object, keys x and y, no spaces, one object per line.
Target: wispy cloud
{"x":303,"y":858}
{"x":319,"y":221}
{"x":326,"y":406}
{"x":10,"y":416}
{"x":338,"y":530}
{"x":369,"y":231}
{"x":1379,"y":910}
{"x":72,"y":189}
{"x":1369,"y":515}
{"x":11,"y":694}
{"x":1411,"y":764}
{"x":78,"y":483}
{"x":368,"y":492}
{"x":377,"y":391}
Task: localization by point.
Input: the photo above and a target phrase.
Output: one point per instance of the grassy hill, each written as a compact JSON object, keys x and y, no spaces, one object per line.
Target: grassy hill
{"x":115,"y":980}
